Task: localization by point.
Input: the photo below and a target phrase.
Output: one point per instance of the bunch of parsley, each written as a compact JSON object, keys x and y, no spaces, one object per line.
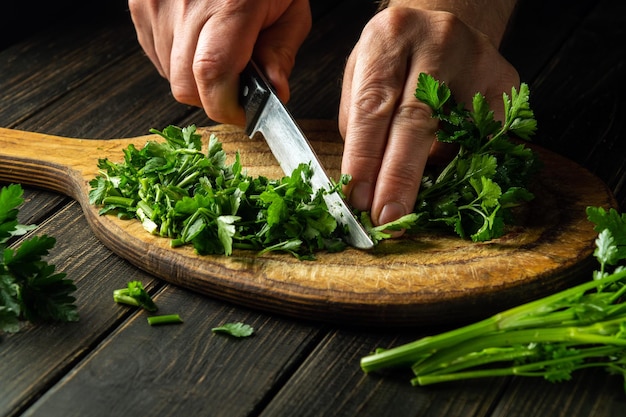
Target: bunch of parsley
{"x":193,"y":197}
{"x":177,"y":191}
{"x":581,"y":327}
{"x":475,"y":193}
{"x":30,"y":289}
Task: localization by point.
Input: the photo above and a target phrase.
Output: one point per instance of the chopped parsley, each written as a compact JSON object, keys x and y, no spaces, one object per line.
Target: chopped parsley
{"x":194,"y":197}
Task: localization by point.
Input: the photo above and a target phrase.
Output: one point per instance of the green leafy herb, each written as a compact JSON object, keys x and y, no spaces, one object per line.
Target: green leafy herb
{"x":193,"y":197}
{"x":580,"y":327}
{"x":30,"y":289}
{"x":234,"y":329}
{"x":135,"y":295}
{"x":474,"y":195}
{"x":164,"y":319}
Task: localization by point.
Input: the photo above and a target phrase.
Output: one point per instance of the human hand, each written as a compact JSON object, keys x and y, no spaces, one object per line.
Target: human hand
{"x":201,"y":46}
{"x":388,"y":133}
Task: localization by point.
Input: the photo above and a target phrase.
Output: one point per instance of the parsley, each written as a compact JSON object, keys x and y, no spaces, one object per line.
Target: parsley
{"x":164,"y":319}
{"x":195,"y":198}
{"x":235,"y":329}
{"x":474,"y":195}
{"x":580,"y":327}
{"x":135,"y":295}
{"x":30,"y":289}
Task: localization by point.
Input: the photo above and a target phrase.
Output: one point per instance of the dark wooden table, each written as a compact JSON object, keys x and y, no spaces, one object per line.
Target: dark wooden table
{"x":84,"y":75}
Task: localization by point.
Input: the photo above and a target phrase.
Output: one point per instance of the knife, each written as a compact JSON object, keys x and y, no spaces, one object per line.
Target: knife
{"x":265,"y":113}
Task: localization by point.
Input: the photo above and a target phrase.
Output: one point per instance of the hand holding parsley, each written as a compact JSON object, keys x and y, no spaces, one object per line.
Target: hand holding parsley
{"x":474,"y":194}
{"x":193,"y":197}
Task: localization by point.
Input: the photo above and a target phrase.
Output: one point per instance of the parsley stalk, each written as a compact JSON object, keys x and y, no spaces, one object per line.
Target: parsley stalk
{"x":579,"y":327}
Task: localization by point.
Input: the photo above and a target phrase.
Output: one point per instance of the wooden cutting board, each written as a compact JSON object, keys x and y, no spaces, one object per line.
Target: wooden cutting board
{"x":418,"y":280}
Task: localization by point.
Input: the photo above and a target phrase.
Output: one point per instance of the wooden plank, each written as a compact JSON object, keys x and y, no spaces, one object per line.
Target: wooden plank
{"x":39,"y":71}
{"x":182,"y":370}
{"x":316,"y":79}
{"x":40,"y":354}
{"x":349,"y":392}
{"x":539,"y":28}
{"x":590,"y":393}
{"x":126,"y":102}
{"x":578,"y":99}
{"x":22,"y":19}
{"x":50,"y":61}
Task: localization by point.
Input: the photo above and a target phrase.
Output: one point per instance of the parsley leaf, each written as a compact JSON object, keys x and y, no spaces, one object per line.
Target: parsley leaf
{"x":474,"y":195}
{"x":234,"y":329}
{"x":30,"y":289}
{"x":135,"y":295}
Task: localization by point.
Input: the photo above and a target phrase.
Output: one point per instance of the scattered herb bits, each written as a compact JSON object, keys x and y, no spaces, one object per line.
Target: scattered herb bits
{"x":164,"y":319}
{"x":135,"y":295}
{"x":234,"y":329}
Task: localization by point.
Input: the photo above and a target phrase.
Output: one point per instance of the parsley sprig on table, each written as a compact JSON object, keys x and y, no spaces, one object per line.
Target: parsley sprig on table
{"x":580,"y":327}
{"x":474,"y":194}
{"x":30,"y":289}
{"x":193,"y":197}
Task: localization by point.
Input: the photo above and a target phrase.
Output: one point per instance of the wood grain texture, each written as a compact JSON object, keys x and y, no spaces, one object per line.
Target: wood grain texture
{"x":419,"y":279}
{"x":181,"y":370}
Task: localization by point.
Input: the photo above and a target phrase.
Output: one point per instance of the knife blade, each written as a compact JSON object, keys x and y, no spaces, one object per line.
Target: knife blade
{"x":265,"y":113}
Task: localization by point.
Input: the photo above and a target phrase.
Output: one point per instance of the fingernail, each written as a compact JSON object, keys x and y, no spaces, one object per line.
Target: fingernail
{"x":390,"y":212}
{"x":361,"y":196}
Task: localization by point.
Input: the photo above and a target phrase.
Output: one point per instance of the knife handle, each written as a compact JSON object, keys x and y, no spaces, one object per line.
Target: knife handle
{"x":254,"y":91}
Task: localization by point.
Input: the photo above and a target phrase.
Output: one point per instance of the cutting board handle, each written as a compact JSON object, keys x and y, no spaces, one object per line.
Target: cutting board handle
{"x":57,"y":163}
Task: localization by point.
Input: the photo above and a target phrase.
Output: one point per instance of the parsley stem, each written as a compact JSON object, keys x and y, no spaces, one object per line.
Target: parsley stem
{"x":540,"y":368}
{"x":164,"y":319}
{"x":118,"y":201}
{"x":548,"y":311}
{"x":118,"y":297}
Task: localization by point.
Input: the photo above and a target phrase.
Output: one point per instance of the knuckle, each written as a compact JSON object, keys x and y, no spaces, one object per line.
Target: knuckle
{"x":377,"y":101}
{"x":184,"y":94}
{"x":413,"y":112}
{"x":207,"y":68}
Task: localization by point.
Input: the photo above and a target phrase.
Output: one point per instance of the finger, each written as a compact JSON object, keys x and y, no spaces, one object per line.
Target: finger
{"x":224,"y":48}
{"x":181,"y":60}
{"x":277,"y":46}
{"x":407,"y":149}
{"x":346,"y":95}
{"x":367,"y":109}
{"x":142,"y":20}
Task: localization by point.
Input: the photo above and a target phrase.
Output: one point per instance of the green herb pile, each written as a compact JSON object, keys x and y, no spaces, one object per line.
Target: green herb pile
{"x":30,"y":289}
{"x":580,"y":327}
{"x":475,"y":193}
{"x":179,"y":192}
